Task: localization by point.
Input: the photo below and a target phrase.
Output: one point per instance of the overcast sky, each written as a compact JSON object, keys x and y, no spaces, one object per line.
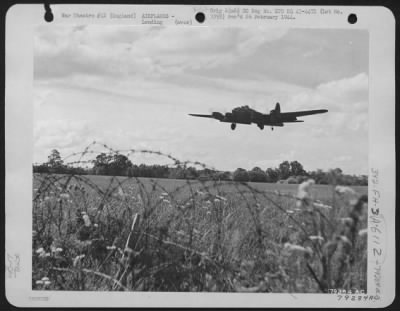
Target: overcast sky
{"x":133,"y":87}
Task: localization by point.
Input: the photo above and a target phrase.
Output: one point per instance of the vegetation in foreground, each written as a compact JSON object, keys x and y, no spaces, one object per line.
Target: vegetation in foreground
{"x":137,"y":234}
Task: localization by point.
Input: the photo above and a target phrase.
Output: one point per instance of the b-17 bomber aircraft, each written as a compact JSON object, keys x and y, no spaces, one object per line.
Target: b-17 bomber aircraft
{"x":246,"y":115}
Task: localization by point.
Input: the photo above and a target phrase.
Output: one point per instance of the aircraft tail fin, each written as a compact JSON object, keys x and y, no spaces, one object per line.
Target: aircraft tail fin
{"x":277,"y":107}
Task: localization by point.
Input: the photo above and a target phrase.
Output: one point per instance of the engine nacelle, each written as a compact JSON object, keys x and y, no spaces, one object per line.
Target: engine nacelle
{"x":217,"y":115}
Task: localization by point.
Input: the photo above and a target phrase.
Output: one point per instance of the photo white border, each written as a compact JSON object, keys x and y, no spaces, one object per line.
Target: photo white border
{"x":20,"y":24}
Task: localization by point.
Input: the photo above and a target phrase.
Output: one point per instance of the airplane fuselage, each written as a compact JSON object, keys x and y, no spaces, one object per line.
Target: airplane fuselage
{"x":249,"y":116}
{"x":246,"y":115}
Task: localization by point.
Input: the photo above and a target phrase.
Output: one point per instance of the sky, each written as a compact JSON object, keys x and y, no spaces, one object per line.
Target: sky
{"x":132,"y":87}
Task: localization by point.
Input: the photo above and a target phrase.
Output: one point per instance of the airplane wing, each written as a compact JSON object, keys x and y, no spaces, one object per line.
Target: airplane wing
{"x":202,"y":115}
{"x":215,"y":115}
{"x":301,"y":113}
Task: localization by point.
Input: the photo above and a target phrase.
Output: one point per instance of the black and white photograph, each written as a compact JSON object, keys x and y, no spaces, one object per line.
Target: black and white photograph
{"x":180,"y":158}
{"x":177,"y":203}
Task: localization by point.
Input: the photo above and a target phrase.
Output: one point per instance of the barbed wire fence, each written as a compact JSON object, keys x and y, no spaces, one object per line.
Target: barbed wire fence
{"x":146,"y":234}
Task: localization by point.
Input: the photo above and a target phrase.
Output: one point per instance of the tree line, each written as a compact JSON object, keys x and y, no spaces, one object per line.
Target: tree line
{"x":120,"y":165}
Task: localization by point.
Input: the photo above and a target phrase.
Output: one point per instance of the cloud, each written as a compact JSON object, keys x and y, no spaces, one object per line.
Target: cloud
{"x":353,"y":90}
{"x":99,"y":50}
{"x":347,"y":103}
{"x":343,"y":158}
{"x":305,"y":57}
{"x":68,"y":136}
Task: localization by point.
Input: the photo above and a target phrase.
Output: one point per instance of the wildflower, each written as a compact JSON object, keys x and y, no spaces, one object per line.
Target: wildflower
{"x":353,"y":202}
{"x":86,"y":219}
{"x":64,"y":195}
{"x":165,"y":194}
{"x":120,"y":192}
{"x":166,"y":201}
{"x":111,"y":247}
{"x":344,"y":190}
{"x":321,"y":205}
{"x":40,"y":250}
{"x":44,"y":254}
{"x":363,"y":232}
{"x":289,"y":211}
{"x":208,"y":202}
{"x":221,"y":198}
{"x":46,"y":198}
{"x":95,"y":225}
{"x":47,"y":283}
{"x":45,"y":278}
{"x":347,"y":221}
{"x":297,"y":248}
{"x":316,"y":237}
{"x":217,"y":200}
{"x":344,"y":239}
{"x":39,"y":282}
{"x":77,"y":259}
{"x":303,"y":193}
{"x":59,"y":250}
{"x":304,"y":189}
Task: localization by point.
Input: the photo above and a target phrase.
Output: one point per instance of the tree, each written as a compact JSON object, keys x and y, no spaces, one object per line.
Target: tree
{"x":284,"y":170}
{"x":257,"y":175}
{"x":296,"y":168}
{"x":272,"y":175}
{"x":223,"y":175}
{"x":320,"y":177}
{"x":101,"y":164}
{"x":241,"y":175}
{"x":177,"y":173}
{"x":120,"y":165}
{"x":54,"y":159}
{"x":117,"y":164}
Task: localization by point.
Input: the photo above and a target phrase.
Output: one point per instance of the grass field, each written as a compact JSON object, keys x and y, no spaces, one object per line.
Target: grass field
{"x":138,"y":234}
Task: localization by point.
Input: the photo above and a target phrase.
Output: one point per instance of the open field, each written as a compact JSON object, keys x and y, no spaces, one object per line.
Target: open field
{"x":139,"y":234}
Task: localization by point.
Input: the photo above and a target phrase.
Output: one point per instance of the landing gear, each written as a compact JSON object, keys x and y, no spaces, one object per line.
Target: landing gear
{"x":261,"y":126}
{"x":233,"y":126}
